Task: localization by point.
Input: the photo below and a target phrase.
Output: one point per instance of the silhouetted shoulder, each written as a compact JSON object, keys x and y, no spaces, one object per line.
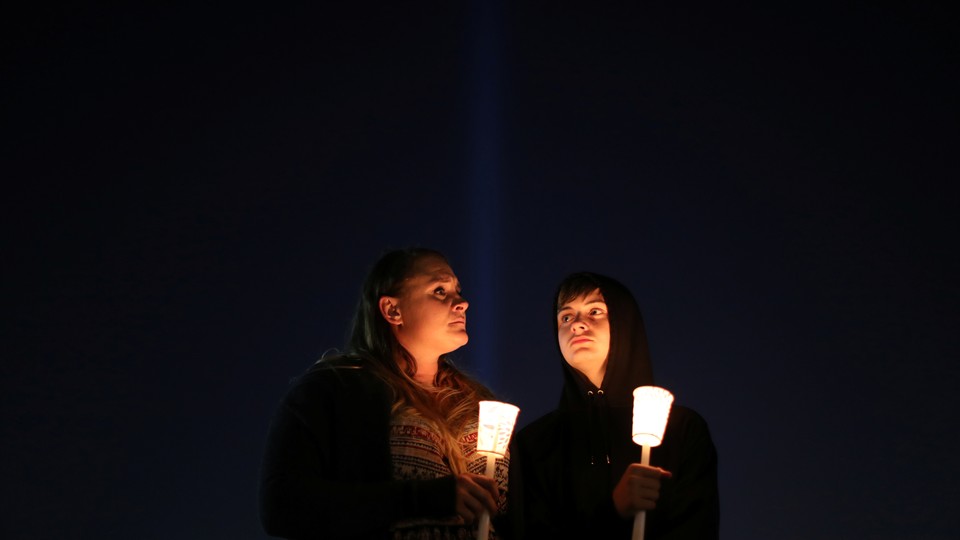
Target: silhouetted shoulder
{"x":332,"y":383}
{"x":687,"y":423}
{"x":542,"y":436}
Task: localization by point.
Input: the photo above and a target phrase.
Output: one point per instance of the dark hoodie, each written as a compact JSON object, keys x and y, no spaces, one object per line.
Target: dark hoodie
{"x":566,"y":464}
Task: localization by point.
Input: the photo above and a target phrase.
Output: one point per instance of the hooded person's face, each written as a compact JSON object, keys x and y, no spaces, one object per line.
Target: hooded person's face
{"x":583,"y":331}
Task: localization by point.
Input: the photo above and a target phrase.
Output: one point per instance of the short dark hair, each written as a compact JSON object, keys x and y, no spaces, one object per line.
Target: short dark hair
{"x":575,"y":286}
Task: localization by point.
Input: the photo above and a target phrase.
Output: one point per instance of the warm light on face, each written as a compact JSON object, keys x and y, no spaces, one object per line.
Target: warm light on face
{"x":432,"y":312}
{"x":651,"y":409}
{"x":496,"y":427}
{"x":583,"y":333}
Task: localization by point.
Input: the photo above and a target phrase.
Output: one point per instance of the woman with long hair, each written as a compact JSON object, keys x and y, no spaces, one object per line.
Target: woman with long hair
{"x":380,"y":441}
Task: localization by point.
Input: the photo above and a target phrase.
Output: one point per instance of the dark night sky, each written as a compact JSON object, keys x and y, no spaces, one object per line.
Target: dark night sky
{"x":193,"y":195}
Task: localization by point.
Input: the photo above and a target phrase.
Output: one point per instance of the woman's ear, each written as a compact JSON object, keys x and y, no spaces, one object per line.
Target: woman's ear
{"x":389,"y":310}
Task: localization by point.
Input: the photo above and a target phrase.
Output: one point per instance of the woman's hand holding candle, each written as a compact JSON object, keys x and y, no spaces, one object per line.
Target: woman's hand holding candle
{"x":475,"y":494}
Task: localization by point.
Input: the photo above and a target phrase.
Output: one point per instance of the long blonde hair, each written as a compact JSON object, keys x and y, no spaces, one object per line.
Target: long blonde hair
{"x":448,"y":406}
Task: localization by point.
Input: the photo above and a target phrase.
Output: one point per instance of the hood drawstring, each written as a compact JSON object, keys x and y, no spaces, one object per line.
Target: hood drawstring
{"x":599,"y":442}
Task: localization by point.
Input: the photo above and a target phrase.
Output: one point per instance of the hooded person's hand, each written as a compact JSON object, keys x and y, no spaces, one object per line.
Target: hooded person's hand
{"x":638,"y":489}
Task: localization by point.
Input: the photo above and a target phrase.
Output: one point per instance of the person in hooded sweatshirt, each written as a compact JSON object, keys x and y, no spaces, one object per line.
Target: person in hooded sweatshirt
{"x":575,"y":472}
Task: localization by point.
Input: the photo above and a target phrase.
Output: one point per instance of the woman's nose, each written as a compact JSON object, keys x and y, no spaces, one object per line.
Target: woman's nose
{"x":578,"y":326}
{"x":461,"y":304}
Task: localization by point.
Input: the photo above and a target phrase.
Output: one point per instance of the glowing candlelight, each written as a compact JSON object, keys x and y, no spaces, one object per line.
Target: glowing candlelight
{"x":493,"y":439}
{"x":651,"y":409}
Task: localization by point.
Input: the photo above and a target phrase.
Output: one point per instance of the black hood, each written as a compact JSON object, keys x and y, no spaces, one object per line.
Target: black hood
{"x":628,"y":362}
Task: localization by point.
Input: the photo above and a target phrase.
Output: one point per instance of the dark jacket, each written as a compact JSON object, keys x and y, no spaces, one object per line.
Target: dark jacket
{"x":566,"y":464}
{"x":327,"y":469}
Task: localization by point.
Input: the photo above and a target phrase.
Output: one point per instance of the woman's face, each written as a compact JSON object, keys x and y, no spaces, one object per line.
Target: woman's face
{"x":583,"y":331}
{"x":429,"y":317}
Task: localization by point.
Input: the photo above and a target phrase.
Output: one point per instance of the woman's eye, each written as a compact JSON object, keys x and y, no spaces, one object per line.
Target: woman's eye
{"x":596,"y":311}
{"x":564,"y":318}
{"x":439,"y":290}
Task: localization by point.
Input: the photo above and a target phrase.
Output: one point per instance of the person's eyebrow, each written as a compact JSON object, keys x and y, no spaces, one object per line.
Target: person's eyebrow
{"x":592,"y":300}
{"x":444,"y":278}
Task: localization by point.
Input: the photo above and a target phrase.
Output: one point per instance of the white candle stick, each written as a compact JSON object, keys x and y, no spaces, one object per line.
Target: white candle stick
{"x":493,"y":438}
{"x":483,"y":528}
{"x":651,"y":409}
